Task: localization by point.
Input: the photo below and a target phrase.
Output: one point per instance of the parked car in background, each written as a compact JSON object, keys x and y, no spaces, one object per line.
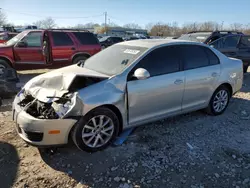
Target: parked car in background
{"x":34,"y":49}
{"x":128,"y":84}
{"x":131,"y":38}
{"x":5,"y":36}
{"x":7,"y":29}
{"x":108,"y":41}
{"x":21,"y":29}
{"x":236,"y":46}
{"x":206,"y":36}
{"x":8,"y":81}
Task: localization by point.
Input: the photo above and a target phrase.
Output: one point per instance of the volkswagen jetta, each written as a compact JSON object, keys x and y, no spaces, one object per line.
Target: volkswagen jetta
{"x":128,"y":84}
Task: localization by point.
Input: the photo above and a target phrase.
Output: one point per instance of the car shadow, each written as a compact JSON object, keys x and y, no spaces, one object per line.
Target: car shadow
{"x":9,"y":161}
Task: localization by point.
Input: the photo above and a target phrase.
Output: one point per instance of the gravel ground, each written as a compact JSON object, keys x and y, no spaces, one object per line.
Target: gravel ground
{"x":192,"y":150}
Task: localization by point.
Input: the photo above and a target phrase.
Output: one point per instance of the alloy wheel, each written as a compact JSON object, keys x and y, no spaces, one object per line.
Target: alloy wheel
{"x":220,"y":101}
{"x":98,"y":131}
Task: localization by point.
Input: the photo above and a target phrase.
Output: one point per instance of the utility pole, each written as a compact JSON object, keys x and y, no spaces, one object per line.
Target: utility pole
{"x":222,"y":23}
{"x":105,"y":15}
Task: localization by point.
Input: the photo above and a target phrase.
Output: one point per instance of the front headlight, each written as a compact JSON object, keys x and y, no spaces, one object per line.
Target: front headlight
{"x":64,"y":105}
{"x":21,"y":94}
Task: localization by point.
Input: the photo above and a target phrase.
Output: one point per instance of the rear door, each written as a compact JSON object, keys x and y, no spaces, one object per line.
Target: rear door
{"x":88,"y":43}
{"x":244,"y":50}
{"x":31,"y":53}
{"x":202,"y":70}
{"x":63,"y":47}
{"x":227,"y":45}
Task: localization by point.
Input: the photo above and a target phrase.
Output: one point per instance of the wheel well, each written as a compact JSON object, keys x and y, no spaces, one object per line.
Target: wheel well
{"x":111,"y":107}
{"x":80,"y":55}
{"x":7,"y":61}
{"x":228,"y":86}
{"x":117,"y":112}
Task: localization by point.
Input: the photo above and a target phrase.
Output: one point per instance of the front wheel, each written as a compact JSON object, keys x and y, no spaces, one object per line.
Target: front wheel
{"x":219,"y":101}
{"x":3,"y":65}
{"x":96,"y":130}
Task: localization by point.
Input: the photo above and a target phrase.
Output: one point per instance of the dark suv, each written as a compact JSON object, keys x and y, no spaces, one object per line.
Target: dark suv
{"x":206,"y":36}
{"x":236,"y":46}
{"x":108,"y":41}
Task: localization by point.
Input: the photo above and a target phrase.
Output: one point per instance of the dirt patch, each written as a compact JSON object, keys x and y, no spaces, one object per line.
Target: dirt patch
{"x":191,"y":150}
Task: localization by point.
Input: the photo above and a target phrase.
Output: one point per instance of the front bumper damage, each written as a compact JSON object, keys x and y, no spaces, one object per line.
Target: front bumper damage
{"x":41,"y":132}
{"x":48,"y":106}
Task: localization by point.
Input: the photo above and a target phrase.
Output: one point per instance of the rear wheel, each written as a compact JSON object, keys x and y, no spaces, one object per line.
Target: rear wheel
{"x":219,"y":101}
{"x":80,"y":60}
{"x":3,"y":65}
{"x":96,"y":130}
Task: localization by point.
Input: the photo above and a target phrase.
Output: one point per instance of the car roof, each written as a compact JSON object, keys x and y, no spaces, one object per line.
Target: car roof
{"x":150,"y":43}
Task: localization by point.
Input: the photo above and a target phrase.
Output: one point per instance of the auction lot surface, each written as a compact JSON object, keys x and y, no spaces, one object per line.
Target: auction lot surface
{"x":193,"y":150}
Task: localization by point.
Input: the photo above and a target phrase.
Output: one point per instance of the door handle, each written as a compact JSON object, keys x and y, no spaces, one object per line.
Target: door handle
{"x":73,"y":48}
{"x":178,"y":81}
{"x":214,"y":74}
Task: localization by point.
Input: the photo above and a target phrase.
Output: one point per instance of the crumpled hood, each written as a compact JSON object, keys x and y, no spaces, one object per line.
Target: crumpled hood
{"x":56,"y":83}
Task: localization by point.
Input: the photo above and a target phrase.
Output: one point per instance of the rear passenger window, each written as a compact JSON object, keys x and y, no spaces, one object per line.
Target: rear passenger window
{"x":163,"y":60}
{"x":231,"y":41}
{"x":61,"y":39}
{"x":244,"y":42}
{"x":86,"y":38}
{"x":194,"y":57}
{"x":213,"y":59}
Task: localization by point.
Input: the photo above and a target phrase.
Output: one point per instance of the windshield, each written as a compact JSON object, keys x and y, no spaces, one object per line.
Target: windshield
{"x":16,"y":38}
{"x":113,"y":60}
{"x":196,"y":37}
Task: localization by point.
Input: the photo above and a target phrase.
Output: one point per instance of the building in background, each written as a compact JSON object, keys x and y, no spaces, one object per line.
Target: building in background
{"x":125,"y":32}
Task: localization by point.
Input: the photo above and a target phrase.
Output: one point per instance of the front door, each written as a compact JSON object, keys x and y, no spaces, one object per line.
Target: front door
{"x":202,"y":69}
{"x":30,"y":53}
{"x":159,"y":95}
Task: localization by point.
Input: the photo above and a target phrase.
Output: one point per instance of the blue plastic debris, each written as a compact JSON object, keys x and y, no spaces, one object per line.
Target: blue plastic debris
{"x":123,"y":137}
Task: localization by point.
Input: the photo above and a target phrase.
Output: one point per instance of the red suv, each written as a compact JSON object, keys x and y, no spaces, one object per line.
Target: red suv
{"x":34,"y":49}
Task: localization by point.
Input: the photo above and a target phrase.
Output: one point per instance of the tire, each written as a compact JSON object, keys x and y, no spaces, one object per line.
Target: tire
{"x":211,"y":109}
{"x":3,"y":65}
{"x":245,"y":67}
{"x":87,"y":143}
{"x":80,"y":59}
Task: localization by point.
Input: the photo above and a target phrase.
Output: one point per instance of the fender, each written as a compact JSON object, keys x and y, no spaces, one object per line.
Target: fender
{"x":10,"y":60}
{"x":79,"y":53}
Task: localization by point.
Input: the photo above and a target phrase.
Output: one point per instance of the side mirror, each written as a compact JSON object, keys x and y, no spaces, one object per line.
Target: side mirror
{"x":22,"y":44}
{"x":141,"y":74}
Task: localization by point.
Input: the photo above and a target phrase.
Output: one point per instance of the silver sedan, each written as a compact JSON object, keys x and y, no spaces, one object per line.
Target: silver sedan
{"x":125,"y":85}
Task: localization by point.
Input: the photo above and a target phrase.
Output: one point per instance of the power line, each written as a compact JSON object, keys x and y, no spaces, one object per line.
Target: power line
{"x":54,"y":17}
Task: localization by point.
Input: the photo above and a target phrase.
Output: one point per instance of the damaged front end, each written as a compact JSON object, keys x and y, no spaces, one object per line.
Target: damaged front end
{"x":48,"y":106}
{"x":58,"y":107}
{"x":55,"y":97}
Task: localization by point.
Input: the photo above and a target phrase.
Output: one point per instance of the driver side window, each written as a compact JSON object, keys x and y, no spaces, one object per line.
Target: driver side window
{"x":164,"y":60}
{"x":33,"y":39}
